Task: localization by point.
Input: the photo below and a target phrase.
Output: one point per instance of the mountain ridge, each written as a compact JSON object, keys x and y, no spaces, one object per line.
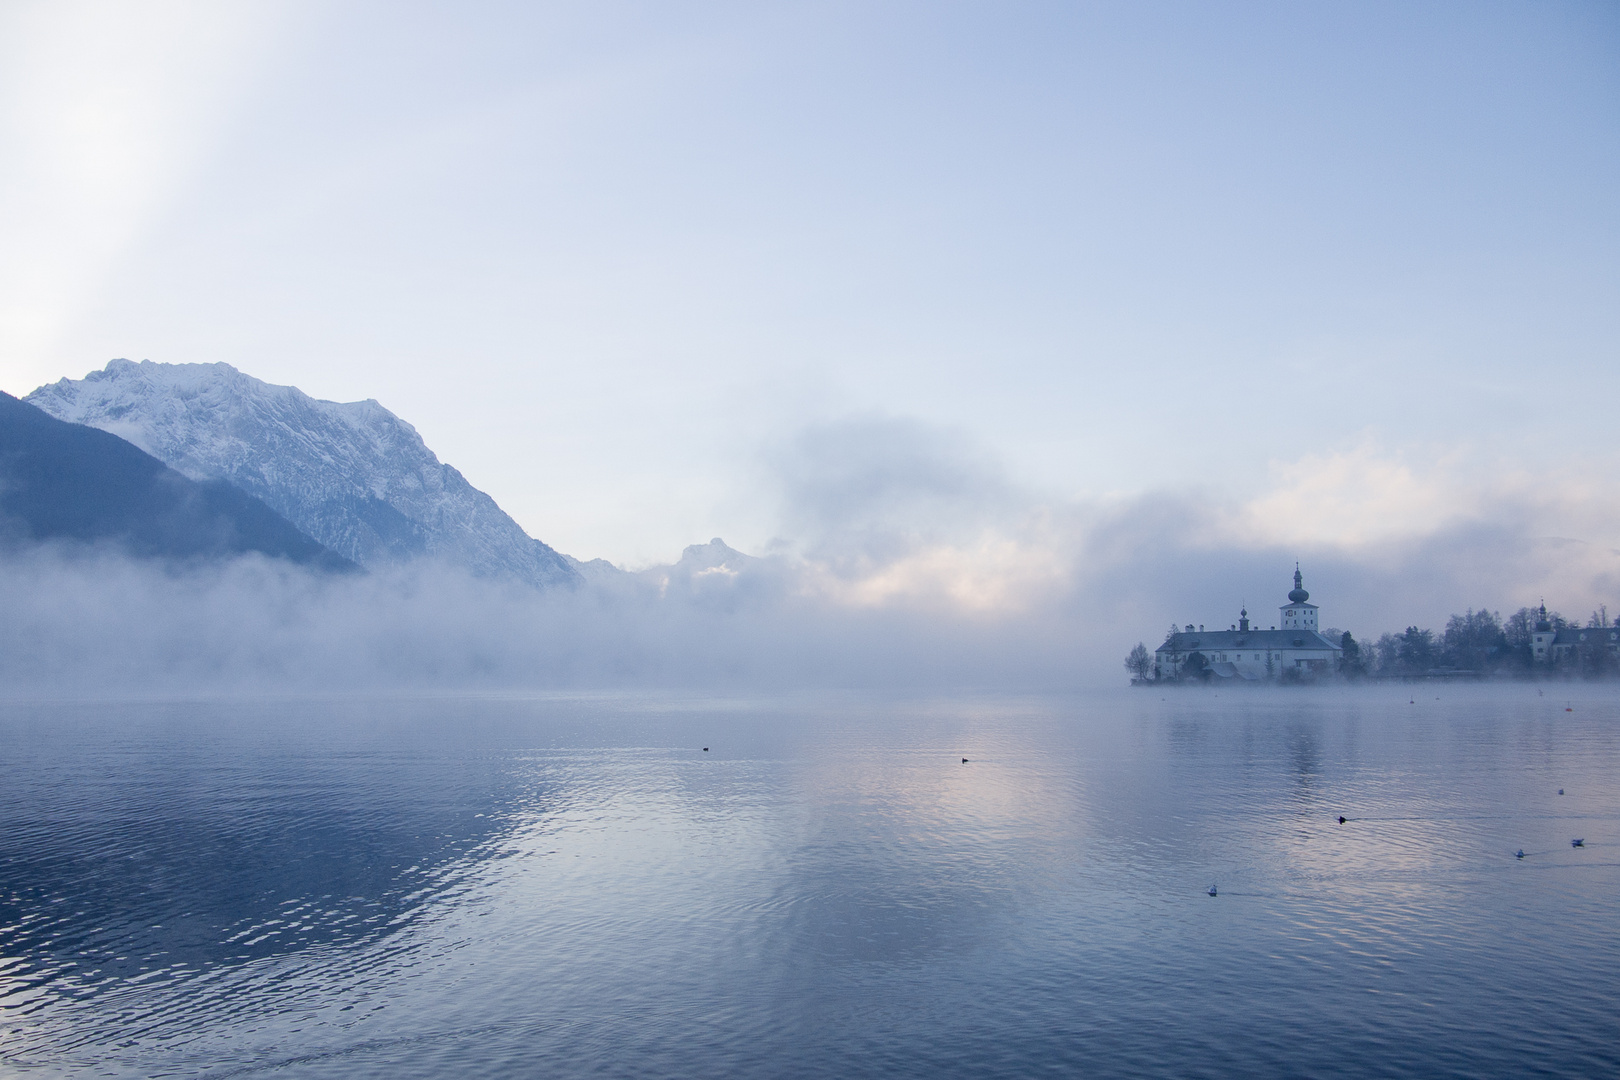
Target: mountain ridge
{"x":351,"y":475}
{"x":61,"y":481}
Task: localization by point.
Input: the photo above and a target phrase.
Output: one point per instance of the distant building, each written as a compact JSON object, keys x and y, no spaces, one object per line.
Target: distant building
{"x":1294,"y":651}
{"x":1572,"y":643}
{"x":1541,"y":638}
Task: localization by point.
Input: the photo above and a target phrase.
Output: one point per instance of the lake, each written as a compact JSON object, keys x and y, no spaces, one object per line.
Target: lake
{"x":574,"y":886}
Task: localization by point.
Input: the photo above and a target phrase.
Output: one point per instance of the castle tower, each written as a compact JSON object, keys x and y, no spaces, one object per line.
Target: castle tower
{"x":1297,"y":614}
{"x":1541,"y":638}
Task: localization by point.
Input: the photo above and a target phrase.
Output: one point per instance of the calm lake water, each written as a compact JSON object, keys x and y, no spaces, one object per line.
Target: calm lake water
{"x":574,"y":887}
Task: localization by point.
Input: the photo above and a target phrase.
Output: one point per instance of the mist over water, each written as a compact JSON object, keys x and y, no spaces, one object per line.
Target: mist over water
{"x":572,"y":885}
{"x":962,"y":593}
{"x":99,"y":623}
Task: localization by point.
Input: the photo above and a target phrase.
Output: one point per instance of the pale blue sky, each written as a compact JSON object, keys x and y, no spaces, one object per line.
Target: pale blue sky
{"x":611,"y":259}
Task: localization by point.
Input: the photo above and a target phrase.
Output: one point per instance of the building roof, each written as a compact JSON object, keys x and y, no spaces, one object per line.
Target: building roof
{"x":1586,"y":635}
{"x":1200,"y":641}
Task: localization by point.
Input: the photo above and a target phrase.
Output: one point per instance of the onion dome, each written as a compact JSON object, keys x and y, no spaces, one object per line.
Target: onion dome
{"x":1298,"y":595}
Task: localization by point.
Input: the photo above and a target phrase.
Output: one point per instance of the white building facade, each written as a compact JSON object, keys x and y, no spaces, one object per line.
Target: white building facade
{"x":1292,"y":650}
{"x":1572,"y":644}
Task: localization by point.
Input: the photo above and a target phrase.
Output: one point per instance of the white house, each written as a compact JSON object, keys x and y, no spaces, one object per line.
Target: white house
{"x":1556,"y":647}
{"x":1293,"y":649}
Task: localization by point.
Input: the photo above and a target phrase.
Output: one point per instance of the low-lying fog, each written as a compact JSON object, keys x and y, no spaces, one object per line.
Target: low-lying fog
{"x":917,"y":567}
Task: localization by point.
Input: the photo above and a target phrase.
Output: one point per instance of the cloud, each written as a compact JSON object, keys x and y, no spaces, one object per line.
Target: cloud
{"x":866,"y":487}
{"x":1354,"y":498}
{"x":909,"y":559}
{"x":891,"y":513}
{"x":890,"y":510}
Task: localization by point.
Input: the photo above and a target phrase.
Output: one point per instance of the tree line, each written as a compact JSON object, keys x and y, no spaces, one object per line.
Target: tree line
{"x":1477,"y":641}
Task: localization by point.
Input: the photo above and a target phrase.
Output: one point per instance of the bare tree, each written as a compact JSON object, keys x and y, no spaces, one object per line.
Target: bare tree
{"x":1139,"y":662}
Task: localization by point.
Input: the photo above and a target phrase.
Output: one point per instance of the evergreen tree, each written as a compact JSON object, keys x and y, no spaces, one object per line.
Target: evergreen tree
{"x":1350,"y":663}
{"x":1415,"y":650}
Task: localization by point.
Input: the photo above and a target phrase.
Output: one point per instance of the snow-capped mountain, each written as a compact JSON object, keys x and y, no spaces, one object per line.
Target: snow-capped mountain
{"x":68,"y":483}
{"x":716,"y":574}
{"x":352,"y":475}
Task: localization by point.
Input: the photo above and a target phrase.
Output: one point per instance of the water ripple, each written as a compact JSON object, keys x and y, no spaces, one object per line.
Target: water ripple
{"x":504,"y":888}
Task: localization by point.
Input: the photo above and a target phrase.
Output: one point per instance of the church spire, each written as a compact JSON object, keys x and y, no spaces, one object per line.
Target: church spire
{"x":1297,"y":614}
{"x":1298,"y":595}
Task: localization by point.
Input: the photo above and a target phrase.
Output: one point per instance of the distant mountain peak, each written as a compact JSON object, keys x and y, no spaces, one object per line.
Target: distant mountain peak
{"x":352,"y":475}
{"x":715,"y":555}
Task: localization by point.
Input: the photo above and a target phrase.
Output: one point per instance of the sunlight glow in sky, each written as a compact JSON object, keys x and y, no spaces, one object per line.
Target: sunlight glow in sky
{"x":1349,"y":271}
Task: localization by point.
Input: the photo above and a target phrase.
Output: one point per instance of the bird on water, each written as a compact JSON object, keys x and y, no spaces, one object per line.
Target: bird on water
{"x":1212,"y":890}
{"x":1578,"y":843}
{"x":964,"y":761}
{"x":1341,"y":819}
{"x":1519,"y":854}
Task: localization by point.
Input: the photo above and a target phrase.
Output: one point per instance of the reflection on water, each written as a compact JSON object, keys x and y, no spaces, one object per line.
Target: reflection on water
{"x":510,"y":887}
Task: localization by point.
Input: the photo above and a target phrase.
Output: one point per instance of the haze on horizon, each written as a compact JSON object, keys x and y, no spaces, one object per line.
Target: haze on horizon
{"x":1127,"y":305}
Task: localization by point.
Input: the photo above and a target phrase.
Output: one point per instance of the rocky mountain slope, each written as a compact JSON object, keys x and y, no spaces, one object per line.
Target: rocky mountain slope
{"x":61,"y":481}
{"x":352,"y":475}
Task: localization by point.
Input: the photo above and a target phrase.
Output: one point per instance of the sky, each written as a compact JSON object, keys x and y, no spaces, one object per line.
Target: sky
{"x":1329,"y":280}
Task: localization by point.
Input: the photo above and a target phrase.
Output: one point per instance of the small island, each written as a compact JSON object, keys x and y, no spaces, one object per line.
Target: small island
{"x":1293,"y":651}
{"x":1530,"y":643}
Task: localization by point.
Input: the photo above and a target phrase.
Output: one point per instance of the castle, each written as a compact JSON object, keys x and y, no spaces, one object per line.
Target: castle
{"x":1555,"y":647}
{"x":1296,"y":651}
